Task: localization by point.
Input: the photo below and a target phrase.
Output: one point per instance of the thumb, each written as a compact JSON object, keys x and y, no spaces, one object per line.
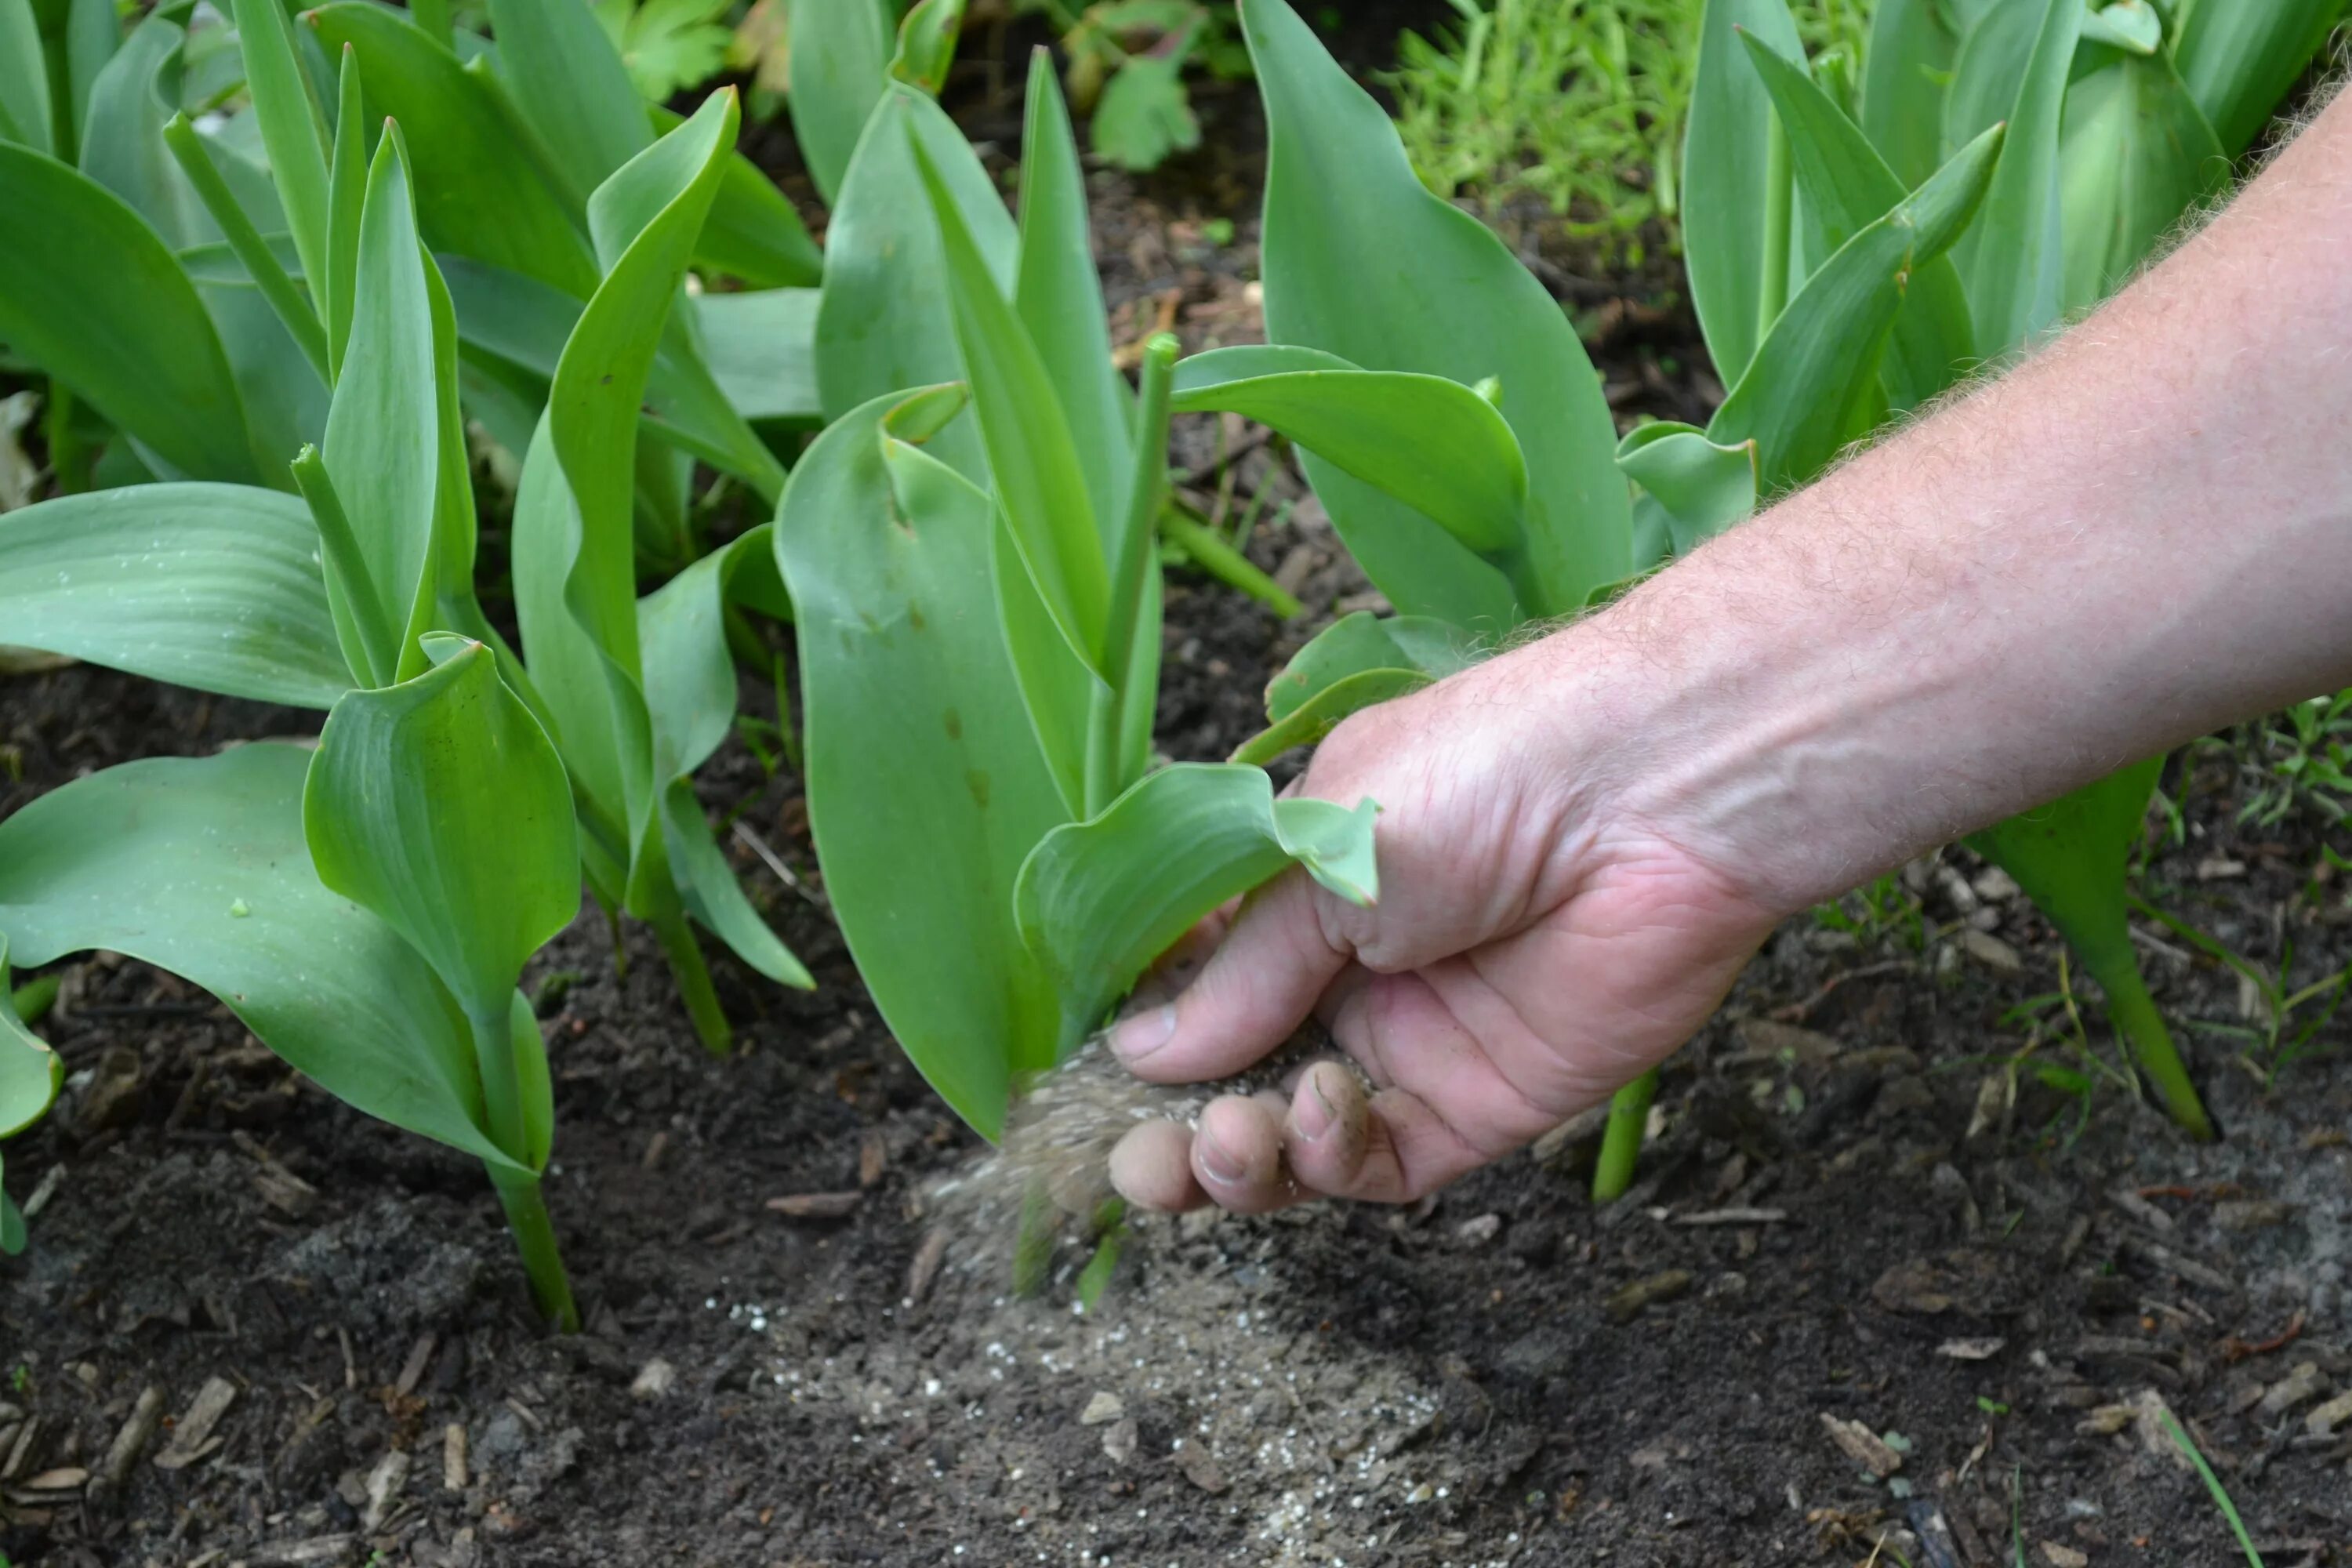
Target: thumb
{"x":1258,"y":987}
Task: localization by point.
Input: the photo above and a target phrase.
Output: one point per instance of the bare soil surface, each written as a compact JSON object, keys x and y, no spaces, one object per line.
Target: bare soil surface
{"x":1881,"y":1288}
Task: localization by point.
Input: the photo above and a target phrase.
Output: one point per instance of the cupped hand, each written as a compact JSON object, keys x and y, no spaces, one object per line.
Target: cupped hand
{"x":1537,"y":943}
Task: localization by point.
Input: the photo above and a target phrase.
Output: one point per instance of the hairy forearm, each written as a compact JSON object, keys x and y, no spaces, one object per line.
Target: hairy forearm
{"x":2142,"y":533}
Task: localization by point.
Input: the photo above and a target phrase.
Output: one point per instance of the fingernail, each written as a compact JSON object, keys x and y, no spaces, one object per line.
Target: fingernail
{"x":1144,"y":1033}
{"x":1215,"y":1163}
{"x":1317,"y":1115}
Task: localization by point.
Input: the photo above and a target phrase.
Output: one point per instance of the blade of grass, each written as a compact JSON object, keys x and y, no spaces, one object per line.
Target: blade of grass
{"x":2213,"y":1484}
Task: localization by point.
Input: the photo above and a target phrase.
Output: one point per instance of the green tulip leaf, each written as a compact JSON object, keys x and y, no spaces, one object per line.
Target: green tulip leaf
{"x":926,"y":41}
{"x":562,"y":71}
{"x":440,"y":806}
{"x":90,"y":294}
{"x":1362,"y":261}
{"x":925,"y":786}
{"x":213,"y":587}
{"x":1736,"y":193}
{"x":2137,"y":156}
{"x":30,"y":1073}
{"x":293,"y":125}
{"x":884,"y":325}
{"x":1846,"y":185}
{"x":839,"y":70}
{"x":1434,"y":444}
{"x":754,"y":233}
{"x":382,"y":448}
{"x":2014,"y":264}
{"x":1797,"y":399}
{"x":1040,"y":483}
{"x":1704,"y":487}
{"x":2239,"y":60}
{"x":1905,"y":70}
{"x":1099,"y":900}
{"x":486,"y":188}
{"x":198,"y":866}
{"x":1058,"y":298}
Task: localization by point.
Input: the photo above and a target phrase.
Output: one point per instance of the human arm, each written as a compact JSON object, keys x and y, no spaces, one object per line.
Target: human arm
{"x":2140,"y":534}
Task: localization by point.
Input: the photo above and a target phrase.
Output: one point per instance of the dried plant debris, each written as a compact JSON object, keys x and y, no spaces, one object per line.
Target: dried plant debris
{"x":1062,"y":1127}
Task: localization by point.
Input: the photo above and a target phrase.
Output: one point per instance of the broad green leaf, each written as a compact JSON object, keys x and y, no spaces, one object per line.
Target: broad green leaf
{"x":90,"y":294}
{"x":347,"y":171}
{"x":926,"y":788}
{"x":1361,"y":641}
{"x":760,"y":346}
{"x":2014,"y":269}
{"x":564,"y":75}
{"x":1704,"y":487}
{"x":1736,"y":200}
{"x":440,"y":806}
{"x":293,"y":127}
{"x":884,"y":325}
{"x":93,"y":32}
{"x":24,"y":110}
{"x":198,"y":866}
{"x":1058,"y":686}
{"x":1099,"y":901}
{"x":122,"y":139}
{"x":2129,"y":25}
{"x":1795,"y":400}
{"x":2072,"y":858}
{"x":1363,"y":262}
{"x":1358,"y":660}
{"x":1846,"y":185}
{"x":2135,"y":156}
{"x":1039,"y":482}
{"x":30,"y":1073}
{"x":260,"y":263}
{"x":690,"y":695}
{"x":1432,"y":443}
{"x":1906,"y":72}
{"x":708,"y":887}
{"x":485,"y":186}
{"x":839,"y":70}
{"x":926,"y":41}
{"x":2239,"y":58}
{"x":1058,"y":297}
{"x":574,"y":572}
{"x":761,"y":343}
{"x":381,"y":448}
{"x":215,"y":587}
{"x":754,"y":232}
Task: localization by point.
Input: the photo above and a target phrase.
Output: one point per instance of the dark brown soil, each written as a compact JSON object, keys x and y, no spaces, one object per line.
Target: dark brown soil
{"x":1849,"y":1214}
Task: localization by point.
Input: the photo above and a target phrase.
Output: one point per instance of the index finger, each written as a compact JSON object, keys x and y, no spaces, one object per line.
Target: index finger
{"x":1260,"y":985}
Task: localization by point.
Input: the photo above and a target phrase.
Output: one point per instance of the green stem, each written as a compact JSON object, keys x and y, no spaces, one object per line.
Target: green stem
{"x":1106,"y":721}
{"x":692,"y":976}
{"x":301,"y":319}
{"x":1772,"y":293}
{"x":1220,"y":559}
{"x":378,"y":641}
{"x":2137,"y":1019}
{"x":1621,"y":1145}
{"x":535,"y":1235}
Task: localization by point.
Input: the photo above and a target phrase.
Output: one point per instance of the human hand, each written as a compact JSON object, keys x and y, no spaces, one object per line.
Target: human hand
{"x":1539,"y":941}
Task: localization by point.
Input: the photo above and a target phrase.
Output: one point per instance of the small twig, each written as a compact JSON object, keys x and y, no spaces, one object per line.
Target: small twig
{"x":750,"y":839}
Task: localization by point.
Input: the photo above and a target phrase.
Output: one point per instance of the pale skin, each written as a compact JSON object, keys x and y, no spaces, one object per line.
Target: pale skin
{"x":2141,"y":534}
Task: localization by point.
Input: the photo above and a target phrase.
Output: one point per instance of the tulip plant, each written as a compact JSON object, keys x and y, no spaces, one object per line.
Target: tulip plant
{"x":201,"y":307}
{"x":30,"y":1075}
{"x":366,"y":906}
{"x":1843,"y":274}
{"x":977,"y":603}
